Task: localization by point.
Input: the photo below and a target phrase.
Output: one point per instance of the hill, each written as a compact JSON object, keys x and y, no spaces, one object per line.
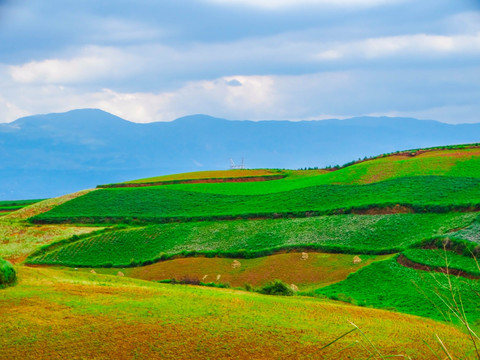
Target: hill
{"x":433,"y":181}
{"x":50,"y":155}
{"x":55,"y":314}
{"x":397,"y":232}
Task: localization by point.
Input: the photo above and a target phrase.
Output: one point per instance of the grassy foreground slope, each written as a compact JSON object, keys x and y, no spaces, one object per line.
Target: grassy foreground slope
{"x":374,"y":234}
{"x":53,"y":314}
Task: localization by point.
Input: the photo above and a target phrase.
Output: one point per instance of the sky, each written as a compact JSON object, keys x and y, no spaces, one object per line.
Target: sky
{"x":149,"y":60}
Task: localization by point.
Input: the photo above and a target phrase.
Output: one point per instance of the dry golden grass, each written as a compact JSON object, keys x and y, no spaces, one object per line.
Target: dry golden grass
{"x":18,"y":238}
{"x":54,"y":314}
{"x":43,"y":206}
{"x":211,"y":174}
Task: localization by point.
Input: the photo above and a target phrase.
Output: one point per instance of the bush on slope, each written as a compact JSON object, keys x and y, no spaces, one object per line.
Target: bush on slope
{"x":8,"y":276}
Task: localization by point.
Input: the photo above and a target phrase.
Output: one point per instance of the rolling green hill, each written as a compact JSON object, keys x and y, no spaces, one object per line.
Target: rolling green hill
{"x":371,"y":234}
{"x":367,"y":234}
{"x":432,"y":181}
{"x":163,"y":203}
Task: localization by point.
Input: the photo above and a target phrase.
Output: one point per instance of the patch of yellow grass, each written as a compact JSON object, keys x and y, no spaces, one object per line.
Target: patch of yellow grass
{"x":70,"y":315}
{"x":319,"y":269}
{"x":43,"y":206}
{"x":212,"y":174}
{"x":18,"y":238}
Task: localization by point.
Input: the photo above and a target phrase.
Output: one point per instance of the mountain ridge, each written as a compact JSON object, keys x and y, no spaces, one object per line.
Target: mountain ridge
{"x":53,"y":154}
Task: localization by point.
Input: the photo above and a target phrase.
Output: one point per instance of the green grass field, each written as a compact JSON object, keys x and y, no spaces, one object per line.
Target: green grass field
{"x":434,"y":181}
{"x":18,"y":238}
{"x":389,"y":285}
{"x":323,"y":231}
{"x":374,"y":234}
{"x":161,"y":203}
{"x":54,"y":314}
{"x":438,"y":258}
{"x":440,"y":163}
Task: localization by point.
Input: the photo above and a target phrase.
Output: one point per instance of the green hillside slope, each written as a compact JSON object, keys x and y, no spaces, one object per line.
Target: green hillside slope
{"x":374,"y":234}
{"x":389,"y":285}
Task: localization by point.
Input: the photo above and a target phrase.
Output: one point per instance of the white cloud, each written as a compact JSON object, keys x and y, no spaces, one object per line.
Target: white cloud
{"x":424,"y":45}
{"x":9,"y":111}
{"x":337,"y":94}
{"x":451,"y":114}
{"x":93,"y":63}
{"x":252,"y":97}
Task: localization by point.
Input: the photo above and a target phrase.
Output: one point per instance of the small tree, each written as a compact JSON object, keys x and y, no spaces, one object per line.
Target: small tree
{"x":277,"y":287}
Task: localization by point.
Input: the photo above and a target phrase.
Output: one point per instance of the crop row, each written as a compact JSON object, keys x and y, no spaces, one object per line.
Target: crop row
{"x":375,"y":234}
{"x":158,"y":204}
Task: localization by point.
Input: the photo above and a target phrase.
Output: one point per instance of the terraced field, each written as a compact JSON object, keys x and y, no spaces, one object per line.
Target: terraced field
{"x":366,"y":234}
{"x":433,"y":181}
{"x":203,"y":175}
{"x":360,"y":234}
{"x":160,"y":204}
{"x":216,"y":176}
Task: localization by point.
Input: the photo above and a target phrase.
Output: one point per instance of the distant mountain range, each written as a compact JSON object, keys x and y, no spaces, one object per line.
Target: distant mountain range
{"x":54,"y":154}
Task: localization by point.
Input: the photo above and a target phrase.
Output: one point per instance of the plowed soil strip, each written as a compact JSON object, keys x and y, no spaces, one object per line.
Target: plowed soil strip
{"x":402,"y":260}
{"x":196,"y":181}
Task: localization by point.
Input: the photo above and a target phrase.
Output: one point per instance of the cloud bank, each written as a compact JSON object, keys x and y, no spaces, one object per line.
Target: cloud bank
{"x":242,"y":59}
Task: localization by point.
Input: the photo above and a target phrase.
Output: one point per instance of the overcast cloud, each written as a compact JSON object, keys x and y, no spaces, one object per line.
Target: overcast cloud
{"x":242,"y":59}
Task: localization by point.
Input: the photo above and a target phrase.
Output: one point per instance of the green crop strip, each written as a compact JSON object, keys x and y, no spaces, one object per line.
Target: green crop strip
{"x":159,"y":204}
{"x":375,"y":234}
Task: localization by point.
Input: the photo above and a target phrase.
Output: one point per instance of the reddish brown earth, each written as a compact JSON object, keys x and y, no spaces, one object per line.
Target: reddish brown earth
{"x":317,"y":269}
{"x":198,"y":181}
{"x":402,"y":260}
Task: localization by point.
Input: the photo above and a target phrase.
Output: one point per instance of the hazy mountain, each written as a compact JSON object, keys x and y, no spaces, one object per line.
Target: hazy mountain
{"x":50,"y":155}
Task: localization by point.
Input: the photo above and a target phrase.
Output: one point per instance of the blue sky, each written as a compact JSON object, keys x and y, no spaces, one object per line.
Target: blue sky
{"x":153,"y":60}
